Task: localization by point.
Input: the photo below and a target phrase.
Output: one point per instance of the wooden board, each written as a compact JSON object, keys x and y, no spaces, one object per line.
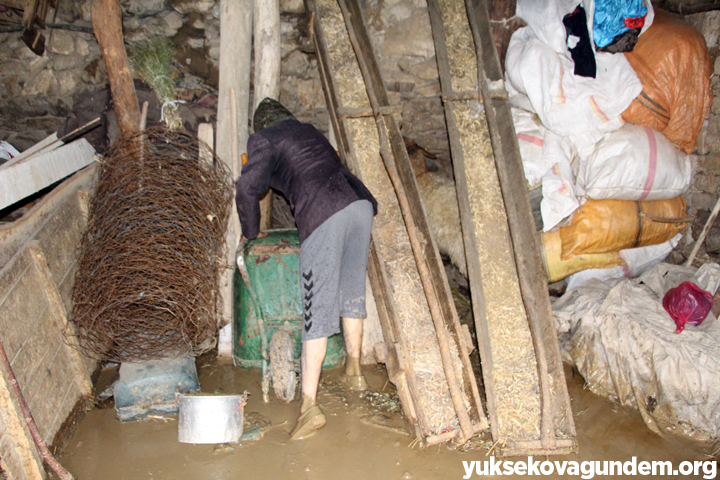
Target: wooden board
{"x":232,"y":121}
{"x":557,"y":425}
{"x":21,"y":179}
{"x":516,"y":382}
{"x":376,"y":153}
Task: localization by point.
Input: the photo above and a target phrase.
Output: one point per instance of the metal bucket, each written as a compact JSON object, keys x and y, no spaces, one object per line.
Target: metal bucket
{"x":207,"y":418}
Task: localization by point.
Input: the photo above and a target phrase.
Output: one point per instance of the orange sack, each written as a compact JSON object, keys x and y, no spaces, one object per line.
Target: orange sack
{"x":556,"y":268}
{"x":673,"y":64}
{"x":602,"y":226}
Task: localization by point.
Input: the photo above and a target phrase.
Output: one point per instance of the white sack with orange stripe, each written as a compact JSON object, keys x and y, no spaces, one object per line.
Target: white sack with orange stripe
{"x":634,"y":163}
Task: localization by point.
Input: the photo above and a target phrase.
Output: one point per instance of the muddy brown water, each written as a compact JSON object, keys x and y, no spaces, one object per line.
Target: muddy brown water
{"x":363,"y":438}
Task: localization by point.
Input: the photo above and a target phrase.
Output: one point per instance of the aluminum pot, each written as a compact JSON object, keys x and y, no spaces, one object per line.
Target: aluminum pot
{"x":207,"y":418}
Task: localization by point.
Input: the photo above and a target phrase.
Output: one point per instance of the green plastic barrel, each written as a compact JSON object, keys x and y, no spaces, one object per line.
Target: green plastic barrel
{"x":273,"y":264}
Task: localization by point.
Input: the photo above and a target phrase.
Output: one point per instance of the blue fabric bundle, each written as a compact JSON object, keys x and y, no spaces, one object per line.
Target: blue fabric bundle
{"x":609,"y":20}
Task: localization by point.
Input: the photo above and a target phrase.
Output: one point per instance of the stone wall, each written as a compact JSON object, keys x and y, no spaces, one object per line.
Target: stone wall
{"x":37,"y":94}
{"x":706,"y":159}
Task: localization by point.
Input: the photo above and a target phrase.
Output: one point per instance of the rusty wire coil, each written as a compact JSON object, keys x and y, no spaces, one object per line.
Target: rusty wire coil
{"x":150,"y":260}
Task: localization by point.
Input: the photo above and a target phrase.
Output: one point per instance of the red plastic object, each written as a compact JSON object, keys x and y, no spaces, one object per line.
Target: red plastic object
{"x":635,"y":22}
{"x":687,"y":303}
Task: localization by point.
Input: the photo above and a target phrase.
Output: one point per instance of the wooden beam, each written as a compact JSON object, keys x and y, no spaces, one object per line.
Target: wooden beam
{"x":427,"y":256}
{"x":469,"y":240}
{"x":22,"y":179}
{"x":556,"y":414}
{"x":404,"y":380}
{"x":107,"y":25}
{"x":266,"y":47}
{"x":234,"y":75}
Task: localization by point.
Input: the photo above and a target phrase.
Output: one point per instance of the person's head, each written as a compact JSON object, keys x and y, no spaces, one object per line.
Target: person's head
{"x":270,"y":112}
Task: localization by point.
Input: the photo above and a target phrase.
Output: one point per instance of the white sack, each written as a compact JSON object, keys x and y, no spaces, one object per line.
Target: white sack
{"x":549,"y":157}
{"x":624,"y":344}
{"x":539,"y":73}
{"x":531,"y":138}
{"x":634,"y":163}
{"x":559,"y":198}
{"x":637,"y":261}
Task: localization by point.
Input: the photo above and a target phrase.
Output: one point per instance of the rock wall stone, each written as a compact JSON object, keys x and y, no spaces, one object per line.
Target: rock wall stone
{"x":37,"y":94}
{"x":703,"y":194}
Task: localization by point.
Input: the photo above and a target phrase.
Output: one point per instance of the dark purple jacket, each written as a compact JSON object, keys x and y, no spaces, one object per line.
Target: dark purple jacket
{"x":296,"y":160}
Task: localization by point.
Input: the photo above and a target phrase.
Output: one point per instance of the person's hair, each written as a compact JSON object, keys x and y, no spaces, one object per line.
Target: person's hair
{"x":270,"y":112}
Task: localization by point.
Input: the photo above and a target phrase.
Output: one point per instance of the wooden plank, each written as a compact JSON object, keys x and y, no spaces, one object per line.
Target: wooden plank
{"x":557,"y":418}
{"x":24,"y":453}
{"x":234,"y":75}
{"x":403,"y":379}
{"x":473,"y":261}
{"x":403,"y":375}
{"x":57,"y":308}
{"x":206,"y":134}
{"x":41,"y":145}
{"x":13,"y":235}
{"x":52,"y":142}
{"x":430,"y":266}
{"x":25,"y":178}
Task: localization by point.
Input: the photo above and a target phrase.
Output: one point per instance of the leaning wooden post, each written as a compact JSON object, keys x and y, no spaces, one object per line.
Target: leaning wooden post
{"x":266,"y":44}
{"x":107,"y":25}
{"x":235,"y":49}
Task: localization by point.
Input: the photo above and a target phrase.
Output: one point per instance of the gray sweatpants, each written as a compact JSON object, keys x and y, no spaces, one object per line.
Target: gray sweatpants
{"x":333,"y":264}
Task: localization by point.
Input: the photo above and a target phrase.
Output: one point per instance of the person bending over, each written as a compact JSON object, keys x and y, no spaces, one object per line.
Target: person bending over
{"x":334,"y":212}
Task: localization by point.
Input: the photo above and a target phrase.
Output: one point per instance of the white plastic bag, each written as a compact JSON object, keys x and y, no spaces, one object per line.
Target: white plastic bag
{"x":634,"y":163}
{"x":625,"y":346}
{"x":7,"y":151}
{"x":637,"y":261}
{"x":559,"y":199}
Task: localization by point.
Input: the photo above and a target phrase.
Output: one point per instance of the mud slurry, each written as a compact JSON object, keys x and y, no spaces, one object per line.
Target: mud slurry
{"x":364,"y":438}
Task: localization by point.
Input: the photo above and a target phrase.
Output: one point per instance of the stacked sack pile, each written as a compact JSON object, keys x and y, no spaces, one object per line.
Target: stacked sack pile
{"x":608,"y":104}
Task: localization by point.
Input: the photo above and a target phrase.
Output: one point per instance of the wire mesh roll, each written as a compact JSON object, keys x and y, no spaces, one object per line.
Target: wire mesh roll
{"x":150,"y":260}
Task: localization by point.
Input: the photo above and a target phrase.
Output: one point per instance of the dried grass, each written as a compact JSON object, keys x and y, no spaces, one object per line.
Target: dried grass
{"x":152,"y":63}
{"x":514,"y":374}
{"x":461,"y":46}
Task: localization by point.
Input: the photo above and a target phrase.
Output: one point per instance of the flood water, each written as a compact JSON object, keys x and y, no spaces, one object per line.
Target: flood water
{"x":363,"y":439}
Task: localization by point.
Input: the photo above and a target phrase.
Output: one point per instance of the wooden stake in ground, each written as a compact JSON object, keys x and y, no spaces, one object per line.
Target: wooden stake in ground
{"x":703,"y":234}
{"x":266,"y":45}
{"x":235,"y":48}
{"x":107,"y":24}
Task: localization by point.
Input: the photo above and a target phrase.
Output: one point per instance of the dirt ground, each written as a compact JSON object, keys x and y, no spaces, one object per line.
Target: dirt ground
{"x":363,"y":438}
